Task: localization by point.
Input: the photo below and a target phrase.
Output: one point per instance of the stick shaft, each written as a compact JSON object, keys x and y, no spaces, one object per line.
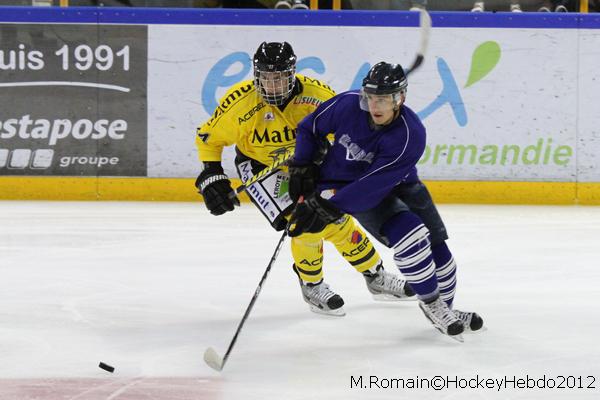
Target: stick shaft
{"x":254,"y":297}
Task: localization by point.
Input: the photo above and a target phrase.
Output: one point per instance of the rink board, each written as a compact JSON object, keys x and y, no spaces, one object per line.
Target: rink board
{"x":181,"y":189}
{"x":107,"y":100}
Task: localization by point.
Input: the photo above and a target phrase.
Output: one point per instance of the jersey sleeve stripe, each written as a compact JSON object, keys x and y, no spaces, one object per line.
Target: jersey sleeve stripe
{"x":314,"y":126}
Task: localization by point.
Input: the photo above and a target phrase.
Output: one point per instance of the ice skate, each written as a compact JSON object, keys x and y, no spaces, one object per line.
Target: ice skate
{"x":322,"y":300}
{"x":385,"y":286}
{"x":443,"y":318}
{"x":472,"y":322}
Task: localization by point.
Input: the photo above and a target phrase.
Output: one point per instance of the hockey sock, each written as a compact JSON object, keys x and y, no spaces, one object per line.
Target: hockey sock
{"x":445,"y":270}
{"x":312,"y":283}
{"x":307,"y":251}
{"x":309,"y":276}
{"x":412,"y":253}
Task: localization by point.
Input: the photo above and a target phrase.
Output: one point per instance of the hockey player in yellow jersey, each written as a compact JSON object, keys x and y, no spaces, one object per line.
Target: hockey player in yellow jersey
{"x":259,"y":117}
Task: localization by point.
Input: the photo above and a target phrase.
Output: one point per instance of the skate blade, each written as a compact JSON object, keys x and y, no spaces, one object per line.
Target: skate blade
{"x":339,"y":312}
{"x":391,"y":297}
{"x":458,"y":338}
{"x":213,"y":360}
{"x":470,"y":332}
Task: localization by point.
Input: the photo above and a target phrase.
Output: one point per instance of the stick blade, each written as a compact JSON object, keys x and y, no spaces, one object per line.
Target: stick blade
{"x":424,"y":19}
{"x":425,"y":24}
{"x":213,"y":360}
{"x":425,"y":27}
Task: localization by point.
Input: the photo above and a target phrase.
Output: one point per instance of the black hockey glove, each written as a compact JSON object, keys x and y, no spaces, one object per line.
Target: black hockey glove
{"x":312,"y":215}
{"x":303,"y":179}
{"x":215,"y":186}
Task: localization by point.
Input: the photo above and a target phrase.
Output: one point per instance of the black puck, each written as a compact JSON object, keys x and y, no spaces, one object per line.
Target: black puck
{"x":106,"y":367}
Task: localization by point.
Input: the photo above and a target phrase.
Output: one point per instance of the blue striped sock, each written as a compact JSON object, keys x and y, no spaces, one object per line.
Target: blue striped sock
{"x":445,"y":270}
{"x":412,"y":253}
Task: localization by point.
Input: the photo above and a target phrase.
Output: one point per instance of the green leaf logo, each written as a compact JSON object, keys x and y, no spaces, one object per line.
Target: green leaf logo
{"x":283,"y":189}
{"x":484,"y":59}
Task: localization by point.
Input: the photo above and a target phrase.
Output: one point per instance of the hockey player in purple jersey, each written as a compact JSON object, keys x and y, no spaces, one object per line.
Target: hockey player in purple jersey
{"x":372,"y":166}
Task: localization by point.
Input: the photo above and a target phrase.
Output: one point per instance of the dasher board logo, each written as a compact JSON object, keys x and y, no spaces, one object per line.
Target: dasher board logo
{"x":74,"y":100}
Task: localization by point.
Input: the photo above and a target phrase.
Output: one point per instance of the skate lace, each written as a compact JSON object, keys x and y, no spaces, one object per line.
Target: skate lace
{"x":465,"y":317}
{"x":440,"y":312}
{"x":389,"y":282}
{"x":321,"y":292}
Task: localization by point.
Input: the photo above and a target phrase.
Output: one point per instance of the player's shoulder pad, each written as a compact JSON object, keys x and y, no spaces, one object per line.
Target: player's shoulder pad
{"x":412,"y":120}
{"x":347,"y":99}
{"x":348,"y":94}
{"x":316,"y":86}
{"x":234,"y":95}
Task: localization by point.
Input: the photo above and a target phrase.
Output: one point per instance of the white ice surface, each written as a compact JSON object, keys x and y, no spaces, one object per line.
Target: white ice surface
{"x":147,"y":287}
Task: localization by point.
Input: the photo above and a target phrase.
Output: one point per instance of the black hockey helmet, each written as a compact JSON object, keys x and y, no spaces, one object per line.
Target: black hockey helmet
{"x":274,"y":71}
{"x":384,"y":79}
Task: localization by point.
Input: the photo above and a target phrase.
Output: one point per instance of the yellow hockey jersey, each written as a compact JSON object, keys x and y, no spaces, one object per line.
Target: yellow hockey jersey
{"x":260,"y":131}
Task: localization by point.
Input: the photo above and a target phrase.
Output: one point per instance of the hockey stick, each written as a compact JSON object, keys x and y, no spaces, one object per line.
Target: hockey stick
{"x":210,"y":355}
{"x":425,"y":24}
{"x":265,"y":172}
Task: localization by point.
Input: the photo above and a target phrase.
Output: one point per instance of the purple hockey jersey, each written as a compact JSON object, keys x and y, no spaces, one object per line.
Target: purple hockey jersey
{"x":364,"y":164}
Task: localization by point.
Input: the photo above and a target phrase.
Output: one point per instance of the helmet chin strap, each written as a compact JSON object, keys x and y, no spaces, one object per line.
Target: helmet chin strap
{"x":397,"y":108}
